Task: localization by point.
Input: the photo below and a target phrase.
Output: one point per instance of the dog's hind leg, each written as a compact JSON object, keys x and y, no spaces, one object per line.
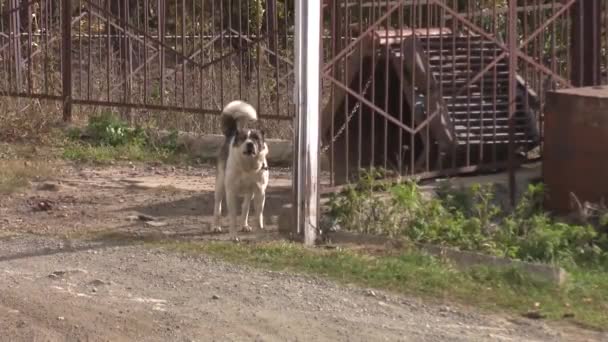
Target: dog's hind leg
{"x":217,"y":209}
{"x":232,"y":204}
{"x":258,"y":200}
{"x":245,"y":212}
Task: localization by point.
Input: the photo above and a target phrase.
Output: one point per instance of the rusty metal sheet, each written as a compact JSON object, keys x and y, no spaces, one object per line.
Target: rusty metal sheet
{"x":575,"y":155}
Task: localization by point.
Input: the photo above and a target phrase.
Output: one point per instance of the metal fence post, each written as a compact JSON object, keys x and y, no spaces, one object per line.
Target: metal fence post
{"x":307,"y":92}
{"x":66,"y":58}
{"x":513,"y":50}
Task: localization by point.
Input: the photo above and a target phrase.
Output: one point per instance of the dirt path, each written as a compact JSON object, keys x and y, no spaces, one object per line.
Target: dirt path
{"x":97,"y":292}
{"x":54,"y":289}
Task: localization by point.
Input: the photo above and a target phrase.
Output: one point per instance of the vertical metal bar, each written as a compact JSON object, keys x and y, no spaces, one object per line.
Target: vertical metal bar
{"x":202,"y":42}
{"x":494,"y":83}
{"x":441,"y":71}
{"x":512,"y":45}
{"x":66,"y":59}
{"x":343,"y":35}
{"x":374,"y":11}
{"x":482,"y":96}
{"x":16,"y":34}
{"x":4,"y":59}
{"x":29,"y":48}
{"x":126,"y":55}
{"x":89,"y":45}
{"x":9,"y":54}
{"x":240,"y":25}
{"x":161,"y":47}
{"x":46,"y":19}
{"x":429,"y":75}
{"x":308,"y":35}
{"x":453,"y":89}
{"x":277,"y":66}
{"x":109,"y":51}
{"x":335,"y":46}
{"x":175,"y":53}
{"x":412,"y":146}
{"x":468,"y":80}
{"x":401,"y":85}
{"x":79,"y":49}
{"x":146,"y":22}
{"x":184,"y":52}
{"x":222,"y":31}
{"x":258,"y":81}
{"x":387,"y":57}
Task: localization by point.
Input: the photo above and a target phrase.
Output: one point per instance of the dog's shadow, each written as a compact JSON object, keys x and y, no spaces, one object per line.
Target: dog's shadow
{"x":202,"y":205}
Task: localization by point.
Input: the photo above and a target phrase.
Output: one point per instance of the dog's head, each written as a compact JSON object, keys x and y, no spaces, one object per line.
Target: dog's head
{"x":250,"y":143}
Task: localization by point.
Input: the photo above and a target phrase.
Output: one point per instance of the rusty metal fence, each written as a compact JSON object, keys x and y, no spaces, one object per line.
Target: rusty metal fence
{"x":438,"y":87}
{"x":419,"y":87}
{"x":140,"y":56}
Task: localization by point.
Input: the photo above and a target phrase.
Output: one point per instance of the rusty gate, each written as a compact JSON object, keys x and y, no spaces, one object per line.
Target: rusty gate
{"x":439,"y":87}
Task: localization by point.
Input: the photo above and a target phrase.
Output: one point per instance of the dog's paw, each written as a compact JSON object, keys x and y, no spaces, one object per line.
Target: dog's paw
{"x":216,"y":229}
{"x":246,"y":229}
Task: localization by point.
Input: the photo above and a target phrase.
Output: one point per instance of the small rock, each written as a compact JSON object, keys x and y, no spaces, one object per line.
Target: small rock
{"x":43,"y":206}
{"x":61,"y":318}
{"x":534,"y":314}
{"x":98,"y":282}
{"x":156,"y":223}
{"x":215,"y":297}
{"x":94,"y":290}
{"x":48,"y":186}
{"x":145,"y":218}
{"x":370,"y":293}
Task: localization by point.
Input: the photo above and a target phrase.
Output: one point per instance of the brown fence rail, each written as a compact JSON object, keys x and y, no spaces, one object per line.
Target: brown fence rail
{"x":437,"y":87}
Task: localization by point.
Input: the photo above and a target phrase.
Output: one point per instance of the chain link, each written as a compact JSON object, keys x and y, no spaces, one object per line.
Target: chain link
{"x":350,"y":116}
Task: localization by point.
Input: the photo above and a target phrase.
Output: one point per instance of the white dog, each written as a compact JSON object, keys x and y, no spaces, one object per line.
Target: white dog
{"x":242,"y":169}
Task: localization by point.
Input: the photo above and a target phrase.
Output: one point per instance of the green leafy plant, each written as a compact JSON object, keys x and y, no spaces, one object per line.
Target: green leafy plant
{"x":468,"y":219}
{"x":107,"y":129}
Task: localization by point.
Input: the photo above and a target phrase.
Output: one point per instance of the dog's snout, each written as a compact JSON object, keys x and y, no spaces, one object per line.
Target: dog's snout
{"x":249,"y":148}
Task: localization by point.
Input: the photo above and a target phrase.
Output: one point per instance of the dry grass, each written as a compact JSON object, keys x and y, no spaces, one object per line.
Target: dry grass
{"x":17,"y":174}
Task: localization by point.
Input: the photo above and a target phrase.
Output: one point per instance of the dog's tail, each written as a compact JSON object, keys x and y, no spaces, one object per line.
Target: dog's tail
{"x":234,"y":112}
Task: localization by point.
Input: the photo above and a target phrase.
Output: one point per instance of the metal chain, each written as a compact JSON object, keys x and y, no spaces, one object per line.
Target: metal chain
{"x":350,"y":116}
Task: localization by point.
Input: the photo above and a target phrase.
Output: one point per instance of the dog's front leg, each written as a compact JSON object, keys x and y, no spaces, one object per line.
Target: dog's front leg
{"x":245,"y":212}
{"x":231,"y":202}
{"x":217,"y":209}
{"x":259,"y":198}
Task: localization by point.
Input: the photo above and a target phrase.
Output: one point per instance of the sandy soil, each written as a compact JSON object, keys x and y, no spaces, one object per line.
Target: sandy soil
{"x":57,"y":286}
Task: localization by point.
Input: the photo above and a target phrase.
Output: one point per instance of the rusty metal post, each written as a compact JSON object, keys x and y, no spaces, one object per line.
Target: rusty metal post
{"x":15,"y":33}
{"x":66,"y":58}
{"x":307,"y":99}
{"x":586,"y":43}
{"x":512,"y":45}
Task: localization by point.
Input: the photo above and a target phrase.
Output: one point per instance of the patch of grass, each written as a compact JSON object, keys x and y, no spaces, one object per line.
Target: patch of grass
{"x":468,"y":219}
{"x":107,"y":138}
{"x":103,"y":154}
{"x":410,"y":272}
{"x":17,"y":174}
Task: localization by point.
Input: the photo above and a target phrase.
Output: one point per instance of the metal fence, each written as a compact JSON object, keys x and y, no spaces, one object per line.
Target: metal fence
{"x":438,"y":87}
{"x":139,"y":56}
{"x":419,"y":87}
